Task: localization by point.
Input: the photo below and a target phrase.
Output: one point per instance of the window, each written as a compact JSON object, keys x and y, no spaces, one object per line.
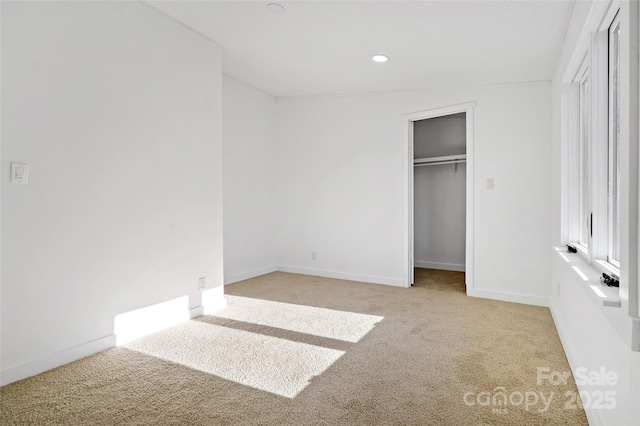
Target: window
{"x":585,"y":163}
{"x":594,"y":163}
{"x":599,"y":163}
{"x":613,"y":199}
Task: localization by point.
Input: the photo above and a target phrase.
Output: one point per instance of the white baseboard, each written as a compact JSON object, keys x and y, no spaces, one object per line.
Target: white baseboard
{"x":439,"y":265}
{"x":342,"y":275}
{"x":211,"y":308}
{"x":234,"y":278}
{"x":196,"y":312}
{"x":68,"y":355}
{"x":56,"y":359}
{"x":509,"y":297}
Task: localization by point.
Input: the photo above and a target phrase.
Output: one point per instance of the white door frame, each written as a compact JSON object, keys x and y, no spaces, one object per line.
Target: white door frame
{"x":467,"y":108}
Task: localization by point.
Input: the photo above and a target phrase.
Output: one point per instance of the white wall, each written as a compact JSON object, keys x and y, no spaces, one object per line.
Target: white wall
{"x":593,"y":336}
{"x":342,"y":165}
{"x":591,"y":341}
{"x":248,"y":125}
{"x":439,"y":200}
{"x":117,"y":110}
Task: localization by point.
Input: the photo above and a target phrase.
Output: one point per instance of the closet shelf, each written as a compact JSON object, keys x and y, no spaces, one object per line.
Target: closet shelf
{"x":447,"y":159}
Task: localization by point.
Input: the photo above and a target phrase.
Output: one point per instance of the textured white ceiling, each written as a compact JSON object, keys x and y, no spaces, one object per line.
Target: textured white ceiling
{"x":325,"y":47}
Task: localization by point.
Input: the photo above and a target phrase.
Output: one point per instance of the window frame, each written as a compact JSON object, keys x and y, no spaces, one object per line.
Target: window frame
{"x":584,"y":158}
{"x":613,"y":161}
{"x":589,"y":219}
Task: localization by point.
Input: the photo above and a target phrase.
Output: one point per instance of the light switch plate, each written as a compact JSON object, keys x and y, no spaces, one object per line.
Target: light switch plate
{"x":19,"y":173}
{"x":490,"y":183}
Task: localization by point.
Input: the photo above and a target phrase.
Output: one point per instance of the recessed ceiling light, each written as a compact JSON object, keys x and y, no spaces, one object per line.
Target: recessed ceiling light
{"x":380,"y":58}
{"x":275,"y":8}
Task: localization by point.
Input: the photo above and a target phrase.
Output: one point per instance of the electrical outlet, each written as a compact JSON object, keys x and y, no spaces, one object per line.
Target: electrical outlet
{"x":313,"y":255}
{"x":201,"y":283}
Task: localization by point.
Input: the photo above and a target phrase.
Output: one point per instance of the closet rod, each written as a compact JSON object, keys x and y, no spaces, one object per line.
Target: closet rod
{"x":435,"y":163}
{"x":440,"y":159}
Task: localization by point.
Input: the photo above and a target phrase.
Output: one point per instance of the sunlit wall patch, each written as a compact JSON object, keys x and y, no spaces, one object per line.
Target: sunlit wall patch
{"x":141,"y":322}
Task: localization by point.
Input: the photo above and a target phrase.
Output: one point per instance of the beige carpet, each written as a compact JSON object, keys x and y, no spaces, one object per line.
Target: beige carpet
{"x":300,"y":350}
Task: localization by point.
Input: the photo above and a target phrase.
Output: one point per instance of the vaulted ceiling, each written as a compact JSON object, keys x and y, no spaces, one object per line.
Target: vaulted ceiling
{"x":325,"y":47}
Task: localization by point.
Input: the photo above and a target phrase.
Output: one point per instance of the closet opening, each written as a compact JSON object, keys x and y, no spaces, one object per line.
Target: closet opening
{"x":440,"y":191}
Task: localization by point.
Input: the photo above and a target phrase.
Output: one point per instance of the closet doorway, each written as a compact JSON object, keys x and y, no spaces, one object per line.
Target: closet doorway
{"x":441,"y":191}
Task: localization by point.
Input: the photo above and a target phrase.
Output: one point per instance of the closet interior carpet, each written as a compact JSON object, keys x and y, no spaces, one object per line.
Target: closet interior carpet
{"x":302,"y":350}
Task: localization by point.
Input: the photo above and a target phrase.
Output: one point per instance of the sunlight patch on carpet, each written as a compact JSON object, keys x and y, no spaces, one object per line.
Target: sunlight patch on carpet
{"x":262,"y":362}
{"x":322,"y":322}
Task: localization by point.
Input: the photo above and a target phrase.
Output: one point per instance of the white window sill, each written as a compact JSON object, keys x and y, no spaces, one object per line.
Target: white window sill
{"x":607,"y":268}
{"x":583,"y":250}
{"x":607,"y":296}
